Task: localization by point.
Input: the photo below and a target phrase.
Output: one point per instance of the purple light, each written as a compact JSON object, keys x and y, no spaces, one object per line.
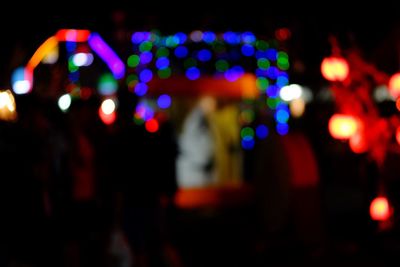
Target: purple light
{"x":164,"y":101}
{"x":146,"y":57}
{"x":247,"y":50}
{"x":204,"y":55}
{"x":115,"y":64}
{"x":162,"y":63}
{"x":141,"y":89}
{"x":146,"y":75}
{"x":193,"y":73}
{"x":181,"y":51}
{"x":273,"y":90}
{"x":272,"y":72}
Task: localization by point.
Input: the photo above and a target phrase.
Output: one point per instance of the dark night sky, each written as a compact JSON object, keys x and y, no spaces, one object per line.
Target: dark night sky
{"x":373,"y":28}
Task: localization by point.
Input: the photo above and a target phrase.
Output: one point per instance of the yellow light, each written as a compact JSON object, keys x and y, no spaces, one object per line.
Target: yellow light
{"x":342,"y":126}
{"x":43,"y":50}
{"x":7,"y":106}
{"x":380,"y":209}
{"x":297,"y":107}
{"x":335,"y":69}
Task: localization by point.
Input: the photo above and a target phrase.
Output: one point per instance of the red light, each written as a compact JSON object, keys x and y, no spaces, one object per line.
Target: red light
{"x":282,"y":34}
{"x":357,"y":143}
{"x":342,"y":126}
{"x":107,"y":118}
{"x":398,"y":135}
{"x":380,"y":209}
{"x":152,"y":125}
{"x":66,"y":35}
{"x":335,"y":69}
{"x":394,"y":85}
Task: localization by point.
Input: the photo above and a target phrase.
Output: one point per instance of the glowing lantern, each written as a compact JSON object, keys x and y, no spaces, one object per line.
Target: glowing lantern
{"x":342,"y":126}
{"x":394,"y":85}
{"x":7,"y":106}
{"x":380,"y":209}
{"x":335,"y":69}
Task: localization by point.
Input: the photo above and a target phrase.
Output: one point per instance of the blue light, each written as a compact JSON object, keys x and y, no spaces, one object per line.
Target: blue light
{"x":248,"y":144}
{"x":247,"y":50}
{"x":181,"y":52}
{"x":181,"y":37}
{"x":146,"y":57}
{"x":145,"y":75}
{"x":234,"y":73}
{"x":70,"y":46}
{"x":193,"y":73}
{"x":162,"y":63}
{"x":137,"y":37}
{"x":282,"y":116}
{"x":272,"y":72}
{"x":73,"y":76}
{"x":204,"y":55}
{"x":262,"y":131}
{"x":209,"y":37}
{"x":248,"y":37}
{"x":282,"y":128}
{"x":261,"y":54}
{"x":231,"y":38}
{"x":164,"y":101}
{"x":273,"y":90}
{"x":261,"y":73}
{"x":172,"y":41}
{"x":272,"y":54}
{"x":281,"y":81}
{"x":283,"y":106}
{"x":141,"y":89}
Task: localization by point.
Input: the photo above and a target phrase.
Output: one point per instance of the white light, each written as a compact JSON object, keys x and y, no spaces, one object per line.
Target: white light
{"x":381,"y":94}
{"x":21,"y":87}
{"x":290,"y":92}
{"x":64,"y":102}
{"x":82,"y":59}
{"x":108,"y":106}
{"x":7,"y":106}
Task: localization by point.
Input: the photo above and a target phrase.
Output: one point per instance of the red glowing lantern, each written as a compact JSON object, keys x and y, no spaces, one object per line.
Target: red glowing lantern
{"x":380,"y":209}
{"x":335,"y":69}
{"x":342,"y":126}
{"x":394,"y":85}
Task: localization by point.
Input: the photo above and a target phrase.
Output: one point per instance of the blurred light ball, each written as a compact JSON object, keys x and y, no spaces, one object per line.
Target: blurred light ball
{"x":64,"y":102}
{"x":394,"y":85}
{"x":342,"y":126}
{"x":297,"y":107}
{"x":152,"y":125}
{"x":379,"y":209}
{"x":358,"y":144}
{"x":335,"y":69}
{"x":108,"y":106}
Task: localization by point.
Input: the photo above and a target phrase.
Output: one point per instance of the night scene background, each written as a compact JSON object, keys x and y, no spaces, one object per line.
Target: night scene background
{"x":185,"y":135}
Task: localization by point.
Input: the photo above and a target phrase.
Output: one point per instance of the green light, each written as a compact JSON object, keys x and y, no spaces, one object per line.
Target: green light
{"x":71,"y":66}
{"x":133,"y":61}
{"x":164,"y":73}
{"x":219,"y":47}
{"x":263,"y":63}
{"x":145,"y":46}
{"x":138,"y":121}
{"x":283,"y":63}
{"x":247,"y":116}
{"x":272,"y":102}
{"x":190,"y":62}
{"x":221,"y":65}
{"x":262,"y":83}
{"x":282,"y":54}
{"x":162,"y":52}
{"x":247,"y":131}
{"x":172,"y":41}
{"x":262,"y":45}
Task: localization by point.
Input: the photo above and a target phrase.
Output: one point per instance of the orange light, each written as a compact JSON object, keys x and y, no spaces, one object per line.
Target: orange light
{"x":394,"y":85}
{"x":152,"y":125}
{"x":379,"y":209}
{"x":66,"y":35}
{"x":335,"y":69}
{"x":357,"y":143}
{"x":342,"y":126}
{"x":107,"y":118}
{"x":43,"y":50}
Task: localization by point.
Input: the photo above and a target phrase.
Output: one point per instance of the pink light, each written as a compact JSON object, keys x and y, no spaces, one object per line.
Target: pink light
{"x":71,"y":35}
